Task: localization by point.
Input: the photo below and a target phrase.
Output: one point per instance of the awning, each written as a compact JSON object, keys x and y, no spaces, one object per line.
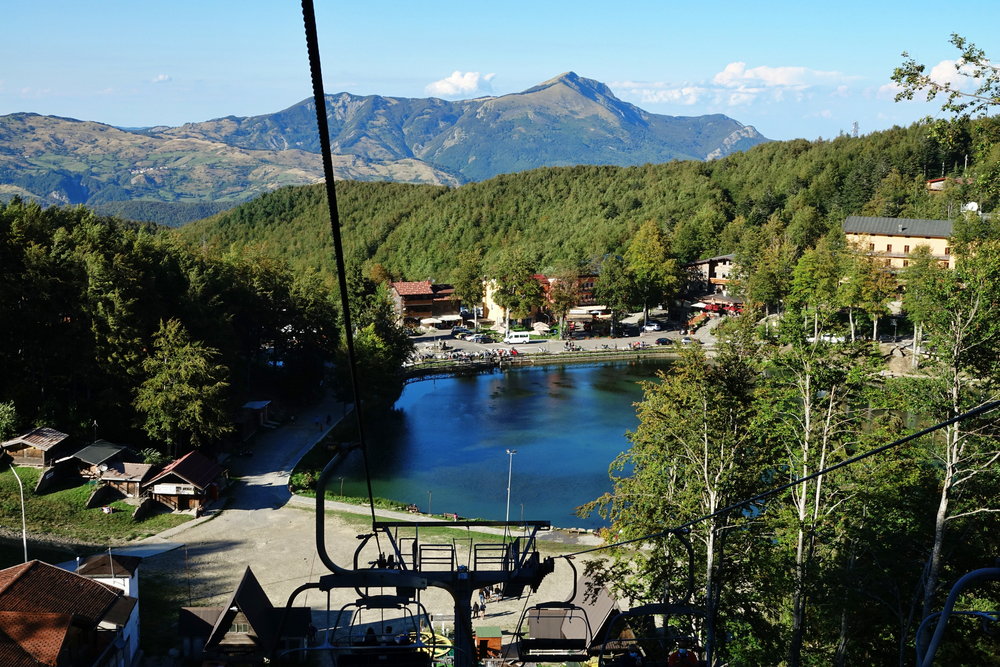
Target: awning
{"x":700,"y":304}
{"x":540,"y":326}
{"x":430,"y":320}
{"x":451,"y":318}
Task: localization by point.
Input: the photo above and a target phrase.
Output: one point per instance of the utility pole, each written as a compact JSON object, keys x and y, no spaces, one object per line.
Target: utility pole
{"x":24,"y":524}
{"x":510,"y":470}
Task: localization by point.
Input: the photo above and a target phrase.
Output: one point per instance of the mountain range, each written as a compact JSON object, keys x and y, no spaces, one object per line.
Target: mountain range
{"x":565,"y":121}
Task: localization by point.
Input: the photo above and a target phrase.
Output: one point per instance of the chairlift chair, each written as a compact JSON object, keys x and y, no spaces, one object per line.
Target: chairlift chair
{"x":362,"y":649}
{"x":561,"y":648}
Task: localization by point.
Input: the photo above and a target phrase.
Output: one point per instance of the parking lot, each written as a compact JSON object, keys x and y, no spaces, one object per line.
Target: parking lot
{"x":431,"y":342}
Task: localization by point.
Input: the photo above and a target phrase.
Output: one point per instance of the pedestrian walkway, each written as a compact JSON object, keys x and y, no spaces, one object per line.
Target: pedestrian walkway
{"x":261,"y":480}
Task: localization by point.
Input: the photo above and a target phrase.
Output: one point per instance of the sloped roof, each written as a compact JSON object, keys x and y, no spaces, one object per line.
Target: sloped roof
{"x":29,"y":639}
{"x":125,"y":471}
{"x":599,"y":611}
{"x":43,"y":438}
{"x":251,"y":599}
{"x":98,"y":452}
{"x":194,"y":468}
{"x":103,"y":565}
{"x":121,"y":611}
{"x":198,"y":621}
{"x":422,"y":288}
{"x":36,"y":587}
{"x":859,"y":224}
{"x":413,"y":288}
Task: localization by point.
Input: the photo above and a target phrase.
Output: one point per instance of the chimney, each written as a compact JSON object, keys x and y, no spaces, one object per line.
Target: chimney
{"x":900,"y":229}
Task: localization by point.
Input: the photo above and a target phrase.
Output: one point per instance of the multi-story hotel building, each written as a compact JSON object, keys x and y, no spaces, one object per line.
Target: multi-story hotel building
{"x":897,"y":238}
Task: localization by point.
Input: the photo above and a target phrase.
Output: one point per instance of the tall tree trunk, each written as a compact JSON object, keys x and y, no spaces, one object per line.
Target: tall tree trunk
{"x":841,"y":652}
{"x":850,"y":317}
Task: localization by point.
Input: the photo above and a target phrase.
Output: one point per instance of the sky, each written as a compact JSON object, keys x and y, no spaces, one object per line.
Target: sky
{"x":790,"y":69}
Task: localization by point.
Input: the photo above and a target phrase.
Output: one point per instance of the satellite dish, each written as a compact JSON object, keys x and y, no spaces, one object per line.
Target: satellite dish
{"x":103,"y":467}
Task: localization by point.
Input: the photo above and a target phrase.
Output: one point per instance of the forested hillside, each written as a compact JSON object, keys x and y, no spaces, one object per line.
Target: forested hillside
{"x":575,"y":214}
{"x":157,"y":342}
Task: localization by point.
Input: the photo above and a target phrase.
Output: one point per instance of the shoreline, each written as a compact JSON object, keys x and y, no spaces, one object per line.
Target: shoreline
{"x":449,"y":367}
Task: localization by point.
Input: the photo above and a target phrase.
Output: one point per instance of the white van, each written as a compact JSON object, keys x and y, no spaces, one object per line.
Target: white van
{"x":516,"y":337}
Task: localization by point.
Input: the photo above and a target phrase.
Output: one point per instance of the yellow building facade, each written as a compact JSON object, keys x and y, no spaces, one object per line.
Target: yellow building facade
{"x":897,"y":238}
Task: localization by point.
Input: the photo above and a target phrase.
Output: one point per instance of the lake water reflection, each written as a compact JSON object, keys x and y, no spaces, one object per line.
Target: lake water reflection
{"x":450,"y":438}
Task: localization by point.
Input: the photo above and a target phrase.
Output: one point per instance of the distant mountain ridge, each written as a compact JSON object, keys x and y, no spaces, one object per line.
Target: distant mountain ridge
{"x":567,"y":120}
{"x":564,"y":121}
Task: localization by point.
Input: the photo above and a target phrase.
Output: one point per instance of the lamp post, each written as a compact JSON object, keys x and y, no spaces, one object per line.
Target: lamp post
{"x":510,"y":470}
{"x":341,"y":487}
{"x":429,"y":502}
{"x":24,"y":524}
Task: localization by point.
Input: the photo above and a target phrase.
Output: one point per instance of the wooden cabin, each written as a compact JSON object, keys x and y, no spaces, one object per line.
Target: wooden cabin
{"x":38,"y":448}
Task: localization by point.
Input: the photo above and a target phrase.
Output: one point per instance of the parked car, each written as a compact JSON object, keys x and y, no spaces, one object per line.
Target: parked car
{"x":664,"y":341}
{"x":687,"y":340}
{"x":478,"y":338}
{"x":652,"y":326}
{"x":459,"y":331}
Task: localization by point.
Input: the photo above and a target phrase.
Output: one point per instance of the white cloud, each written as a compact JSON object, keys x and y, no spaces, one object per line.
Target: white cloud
{"x":887,"y":91}
{"x":660,"y":92}
{"x":841,"y":91}
{"x":162,"y":78}
{"x":457,"y":84}
{"x":737,"y":75}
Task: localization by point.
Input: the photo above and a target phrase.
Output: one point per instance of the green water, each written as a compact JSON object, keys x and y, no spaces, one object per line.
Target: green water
{"x":450,"y":437}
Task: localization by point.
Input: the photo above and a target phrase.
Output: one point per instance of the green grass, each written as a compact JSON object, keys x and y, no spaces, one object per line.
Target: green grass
{"x":60,"y":513}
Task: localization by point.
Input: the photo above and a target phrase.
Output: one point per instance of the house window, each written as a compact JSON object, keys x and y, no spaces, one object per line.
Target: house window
{"x":871,"y":247}
{"x":947,"y":250}
{"x":888,"y":247}
{"x":240,"y":627}
{"x":905,"y":263}
{"x":906,"y":249}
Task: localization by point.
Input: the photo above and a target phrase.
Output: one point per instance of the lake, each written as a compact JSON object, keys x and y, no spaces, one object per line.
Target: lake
{"x":449,"y":438}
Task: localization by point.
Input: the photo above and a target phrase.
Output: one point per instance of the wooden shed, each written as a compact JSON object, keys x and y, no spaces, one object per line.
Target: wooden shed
{"x":488,"y":641}
{"x":39,"y":447}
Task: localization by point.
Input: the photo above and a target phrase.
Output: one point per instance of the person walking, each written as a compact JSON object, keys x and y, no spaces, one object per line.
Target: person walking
{"x":318,"y":425}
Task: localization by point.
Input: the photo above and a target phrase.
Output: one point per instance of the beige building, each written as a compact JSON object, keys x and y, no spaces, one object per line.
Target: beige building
{"x":897,"y":238}
{"x":711,"y":275}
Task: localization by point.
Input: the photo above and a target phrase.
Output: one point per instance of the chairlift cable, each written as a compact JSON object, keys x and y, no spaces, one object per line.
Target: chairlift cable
{"x":975,"y":412}
{"x":312,"y":45}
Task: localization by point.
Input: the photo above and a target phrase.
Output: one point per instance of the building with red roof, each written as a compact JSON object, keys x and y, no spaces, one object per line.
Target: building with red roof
{"x":424,"y":300}
{"x":190,"y":482}
{"x":49,"y":616}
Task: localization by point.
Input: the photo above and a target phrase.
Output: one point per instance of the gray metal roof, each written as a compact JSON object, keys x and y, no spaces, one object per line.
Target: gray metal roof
{"x":98,"y":452}
{"x":859,"y":224}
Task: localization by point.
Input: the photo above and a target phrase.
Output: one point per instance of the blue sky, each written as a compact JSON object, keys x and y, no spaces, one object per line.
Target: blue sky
{"x":789,"y":69}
